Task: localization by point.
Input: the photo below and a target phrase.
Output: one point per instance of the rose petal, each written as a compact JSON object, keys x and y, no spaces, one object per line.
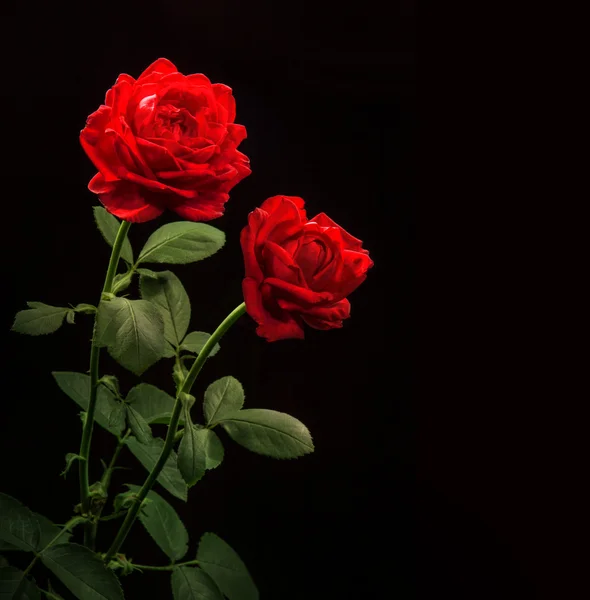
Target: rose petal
{"x":201,"y":155}
{"x":223,"y":94}
{"x":351,"y":242}
{"x":200,"y":172}
{"x":326,"y":275}
{"x":99,"y":185}
{"x":144,"y":113}
{"x":118,"y":99}
{"x":248,"y":238}
{"x":161,"y":65}
{"x":180,"y":94}
{"x":171,"y":78}
{"x":236,"y":134}
{"x":285,"y":215}
{"x":141,"y":91}
{"x":204,"y":207}
{"x":301,"y":296}
{"x":158,"y":157}
{"x":157,"y":186}
{"x":127,"y":150}
{"x":97,"y":145}
{"x":124,"y":200}
{"x":327,"y":317}
{"x":357,"y":263}
{"x":125,"y":77}
{"x":222,"y":114}
{"x":272,"y":203}
{"x":278,"y":263}
{"x":199,"y":79}
{"x":346,"y":287}
{"x":269,"y":327}
{"x":216,"y":132}
{"x":312,"y":254}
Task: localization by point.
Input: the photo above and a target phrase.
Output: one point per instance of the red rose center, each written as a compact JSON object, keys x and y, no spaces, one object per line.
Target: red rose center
{"x":310,"y":257}
{"x":178,"y":122}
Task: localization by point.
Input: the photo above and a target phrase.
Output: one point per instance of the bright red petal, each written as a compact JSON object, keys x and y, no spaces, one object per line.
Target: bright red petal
{"x":271,"y":204}
{"x":124,"y":200}
{"x":97,"y":144}
{"x":350,"y":241}
{"x":224,"y":97}
{"x":268,"y":326}
{"x":204,"y":207}
{"x":161,"y":65}
{"x":199,"y":79}
{"x":280,"y":264}
{"x":327,"y":317}
{"x":299,"y":295}
{"x":285,"y":219}
{"x":248,"y":242}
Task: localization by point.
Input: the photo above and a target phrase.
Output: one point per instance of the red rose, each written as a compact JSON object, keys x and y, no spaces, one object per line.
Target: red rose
{"x":298,"y":269}
{"x":166,"y":140}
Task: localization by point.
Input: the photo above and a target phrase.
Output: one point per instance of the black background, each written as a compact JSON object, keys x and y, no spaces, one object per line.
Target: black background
{"x":473,"y":503}
{"x":327,"y":97}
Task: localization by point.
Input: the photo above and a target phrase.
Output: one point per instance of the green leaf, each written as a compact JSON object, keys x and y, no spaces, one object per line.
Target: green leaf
{"x":111,"y":383}
{"x":148,"y":272}
{"x":6,"y":547}
{"x":85,"y":308}
{"x":170,"y":477}
{"x":223,"y":397}
{"x":221,"y":562}
{"x":132,"y":330}
{"x":82,"y":572}
{"x":182,"y":242}
{"x":268,"y":432}
{"x":139,"y":427}
{"x":109,"y":413}
{"x":49,"y":531}
{"x":40,"y":319}
{"x":168,"y":294}
{"x":70,"y":458}
{"x":189,"y":462}
{"x":164,"y":525}
{"x":109,"y":226}
{"x":10,"y":582}
{"x":154,"y":405}
{"x":124,"y":500}
{"x":122,"y":281}
{"x":18,"y":525}
{"x":195,"y":341}
{"x":193,"y":584}
{"x":207,"y":448}
{"x":169,"y":351}
{"x":71,"y":317}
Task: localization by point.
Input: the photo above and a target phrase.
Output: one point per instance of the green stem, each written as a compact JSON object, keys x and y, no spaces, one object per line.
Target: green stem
{"x":115,"y":255}
{"x":114,"y":516}
{"x":172,"y":427}
{"x":21,"y":584}
{"x":94,"y":358}
{"x":106,"y":478}
{"x":188,"y":563}
{"x":106,"y":481}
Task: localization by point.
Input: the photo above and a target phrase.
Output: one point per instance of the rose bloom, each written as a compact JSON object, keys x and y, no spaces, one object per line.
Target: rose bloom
{"x":165,"y":140}
{"x":298,"y":270}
